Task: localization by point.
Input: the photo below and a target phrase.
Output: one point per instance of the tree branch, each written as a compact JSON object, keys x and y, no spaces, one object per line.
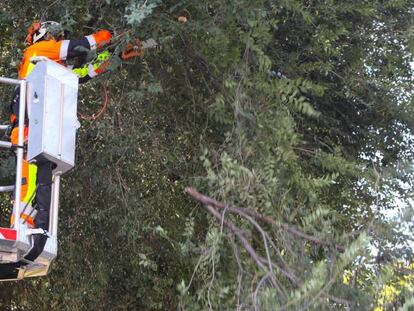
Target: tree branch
{"x":239,"y":234}
{"x":288,"y":228}
{"x":260,"y":261}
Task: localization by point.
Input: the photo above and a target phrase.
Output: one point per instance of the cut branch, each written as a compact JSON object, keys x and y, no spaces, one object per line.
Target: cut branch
{"x":260,"y":261}
{"x":239,"y":234}
{"x":286,"y":271}
{"x":288,"y":228}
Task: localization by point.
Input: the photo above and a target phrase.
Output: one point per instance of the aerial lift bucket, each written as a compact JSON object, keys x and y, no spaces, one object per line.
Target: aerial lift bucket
{"x":50,"y":95}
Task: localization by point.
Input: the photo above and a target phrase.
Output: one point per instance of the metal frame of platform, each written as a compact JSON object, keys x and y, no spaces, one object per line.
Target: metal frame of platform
{"x":16,"y":242}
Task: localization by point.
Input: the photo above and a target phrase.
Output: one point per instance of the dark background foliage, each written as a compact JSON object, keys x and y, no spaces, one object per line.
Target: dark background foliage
{"x":300,"y":110}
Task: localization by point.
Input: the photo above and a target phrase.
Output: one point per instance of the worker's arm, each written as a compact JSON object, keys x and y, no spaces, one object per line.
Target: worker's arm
{"x":94,"y":68}
{"x":76,"y":48}
{"x":102,"y":61}
{"x":101,"y":64}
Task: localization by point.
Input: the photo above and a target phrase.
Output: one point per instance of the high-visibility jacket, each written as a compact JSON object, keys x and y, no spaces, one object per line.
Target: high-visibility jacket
{"x":27,"y":216}
{"x":58,"y":51}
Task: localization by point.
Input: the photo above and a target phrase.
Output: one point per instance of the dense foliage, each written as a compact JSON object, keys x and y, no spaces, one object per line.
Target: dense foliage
{"x":301,"y":111}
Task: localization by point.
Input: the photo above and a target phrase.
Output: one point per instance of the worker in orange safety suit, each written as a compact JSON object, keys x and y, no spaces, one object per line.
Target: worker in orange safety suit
{"x":46,"y":39}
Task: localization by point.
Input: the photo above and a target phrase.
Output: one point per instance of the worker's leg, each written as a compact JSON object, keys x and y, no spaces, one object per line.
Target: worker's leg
{"x":14,"y":104}
{"x":43,"y":194}
{"x":43,"y":178}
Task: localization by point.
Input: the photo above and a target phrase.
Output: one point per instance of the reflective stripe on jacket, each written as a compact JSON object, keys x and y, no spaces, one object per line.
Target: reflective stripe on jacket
{"x":27,"y":216}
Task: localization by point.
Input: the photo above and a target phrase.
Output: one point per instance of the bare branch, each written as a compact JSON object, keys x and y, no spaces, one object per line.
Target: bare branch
{"x":256,"y":292}
{"x":285,"y":270}
{"x":260,"y":261}
{"x":288,"y":228}
{"x":239,"y":234}
{"x":241,"y":270}
{"x":288,"y":274}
